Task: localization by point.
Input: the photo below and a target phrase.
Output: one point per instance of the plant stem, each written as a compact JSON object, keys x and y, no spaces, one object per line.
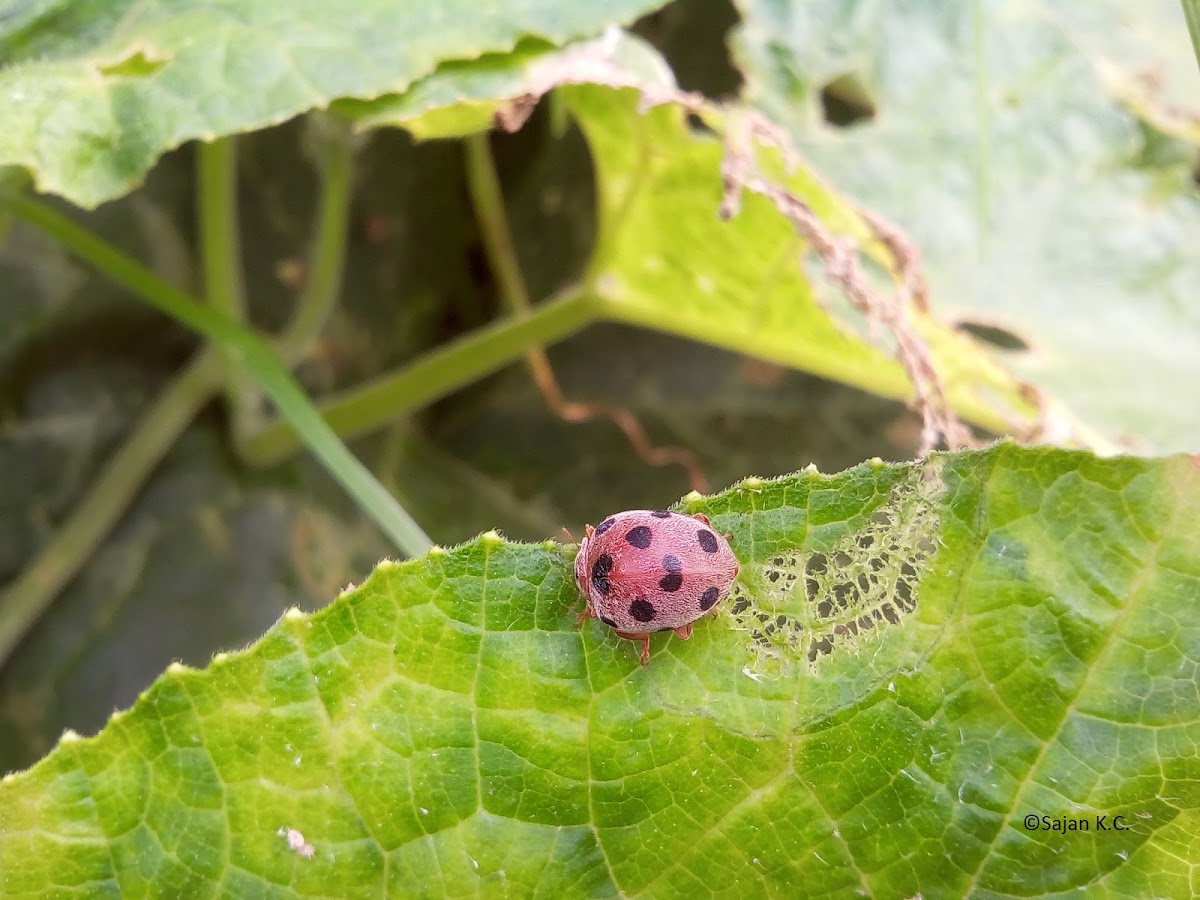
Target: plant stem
{"x":24,"y":602}
{"x":1191,"y":12}
{"x":224,"y":287}
{"x":451,"y":366}
{"x":483,"y":184}
{"x":216,"y":171}
{"x":244,"y":347}
{"x":328,"y":256}
{"x":488,"y":200}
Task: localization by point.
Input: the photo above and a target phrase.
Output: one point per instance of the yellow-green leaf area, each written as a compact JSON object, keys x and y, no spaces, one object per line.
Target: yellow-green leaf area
{"x":666,"y":260}
{"x":444,"y":729}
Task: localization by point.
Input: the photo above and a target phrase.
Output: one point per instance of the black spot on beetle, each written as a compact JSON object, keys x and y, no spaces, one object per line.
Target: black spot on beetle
{"x":639,"y":536}
{"x":708,"y":598}
{"x":662,"y":514}
{"x":673,"y":580}
{"x":607,"y":621}
{"x":600,"y":570}
{"x":708,"y":540}
{"x":642,"y":610}
{"x":605,"y":525}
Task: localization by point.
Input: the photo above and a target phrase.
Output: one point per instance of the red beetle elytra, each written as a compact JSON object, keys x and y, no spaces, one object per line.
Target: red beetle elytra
{"x":643,"y":571}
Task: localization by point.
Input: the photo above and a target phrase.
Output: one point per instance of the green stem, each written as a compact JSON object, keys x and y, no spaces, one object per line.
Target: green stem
{"x":484,"y":186}
{"x":31,"y":594}
{"x":451,"y":366}
{"x":487,"y":198}
{"x":328,"y":257}
{"x":244,"y":347}
{"x":1191,"y":12}
{"x":216,"y":172}
{"x":224,"y":288}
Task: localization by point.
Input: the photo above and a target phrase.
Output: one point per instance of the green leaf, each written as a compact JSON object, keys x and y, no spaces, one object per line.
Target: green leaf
{"x":95,"y":93}
{"x":918,"y":657}
{"x":998,"y":135}
{"x":461,"y":97}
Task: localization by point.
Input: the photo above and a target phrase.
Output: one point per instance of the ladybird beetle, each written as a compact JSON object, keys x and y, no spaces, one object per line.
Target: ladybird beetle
{"x":643,"y":571}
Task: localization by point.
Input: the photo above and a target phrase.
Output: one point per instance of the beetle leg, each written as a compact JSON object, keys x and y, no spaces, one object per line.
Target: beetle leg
{"x":701,"y":517}
{"x":644,"y":638}
{"x":588,"y":531}
{"x":588,"y":613}
{"x":683,"y":632}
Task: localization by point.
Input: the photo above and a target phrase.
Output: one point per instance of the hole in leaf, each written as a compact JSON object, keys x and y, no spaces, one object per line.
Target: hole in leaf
{"x":845,"y":101}
{"x":692,"y":36}
{"x":810,"y":604}
{"x":698,"y":126}
{"x":998,"y":337}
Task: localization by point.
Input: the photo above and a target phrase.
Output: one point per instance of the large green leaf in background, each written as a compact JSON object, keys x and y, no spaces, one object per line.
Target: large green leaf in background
{"x":1041,"y":204}
{"x":664,"y":258}
{"x":920,"y":656}
{"x":94,"y":93}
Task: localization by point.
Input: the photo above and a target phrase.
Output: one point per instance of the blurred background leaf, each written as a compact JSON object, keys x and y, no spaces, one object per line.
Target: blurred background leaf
{"x":97,"y":92}
{"x":1053,"y":220}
